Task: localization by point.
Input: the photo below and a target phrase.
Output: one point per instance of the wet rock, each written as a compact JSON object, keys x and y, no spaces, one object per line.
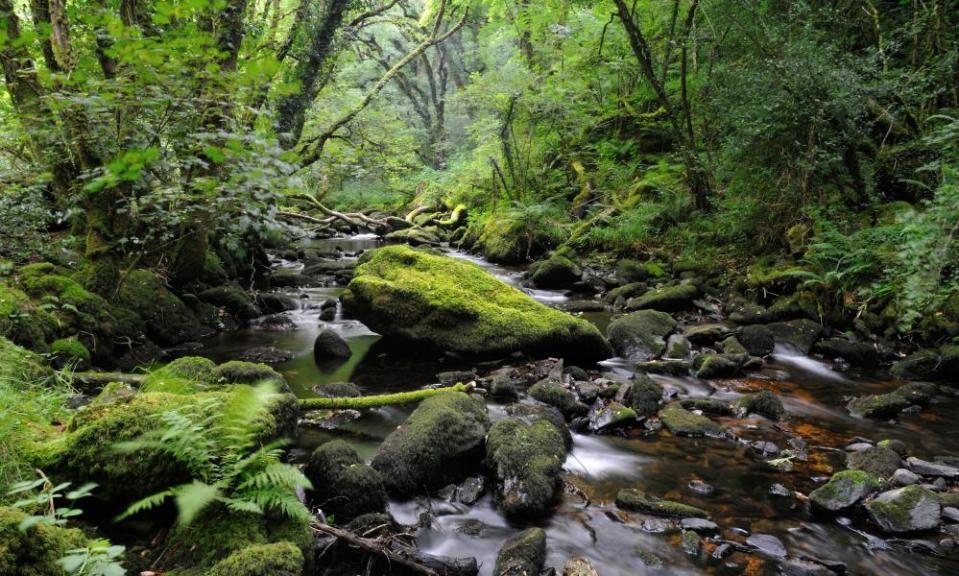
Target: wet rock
{"x":856,"y":353}
{"x":342,"y":484}
{"x":878,"y":461}
{"x":455,"y":306}
{"x":801,"y":567}
{"x":764,"y":448}
{"x":677,"y":346}
{"x":526,"y":459}
{"x":553,"y":392}
{"x":666,"y":366}
{"x":532,"y":412}
{"x":266,"y":355}
{"x":684,"y":423}
{"x":757,"y":339}
{"x":338,"y":390}
{"x":743,"y":312}
{"x":275,"y":323}
{"x":951,"y":514}
{"x":440,"y":443}
{"x":709,"y":366}
{"x":607,"y":415}
{"x":897,"y":446}
{"x":665,"y":298}
{"x":858,"y":446}
{"x":327,"y":314}
{"x":692,"y":543}
{"x":413,"y":236}
{"x":891,"y":404}
{"x":231,"y":298}
{"x":780,"y":491}
{"x":522,"y":554}
{"x":576,"y":373}
{"x":925,"y":468}
{"x":699,"y":525}
{"x":502,"y":385}
{"x":709,"y":406}
{"x":649,"y":559}
{"x":329,"y":419}
{"x":283,"y":278}
{"x":904,"y":477}
{"x":630,"y":270}
{"x":844,"y":489}
{"x":700,"y":487}
{"x":797,"y":334}
{"x":579,"y":567}
{"x":640,"y":335}
{"x":920,"y":365}
{"x":706,"y":334}
{"x":767,"y":544}
{"x":470,"y":490}
{"x":272,"y":303}
{"x":721,"y":551}
{"x":764,"y":403}
{"x":643,"y":394}
{"x":620,"y":295}
{"x":454,"y":376}
{"x":632,"y":499}
{"x":908,"y":509}
{"x":731,"y":345}
{"x":330,"y":345}
{"x":554,"y":273}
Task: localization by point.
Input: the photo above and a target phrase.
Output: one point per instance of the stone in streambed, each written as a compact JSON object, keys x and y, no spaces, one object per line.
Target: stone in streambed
{"x":553,"y":392}
{"x":643,"y":395}
{"x":631,"y":499}
{"x":706,"y":334}
{"x":764,"y":403}
{"x":717,"y":365}
{"x":908,"y":509}
{"x":440,"y":443}
{"x":878,"y":461}
{"x":856,"y":353}
{"x":526,"y":458}
{"x":757,"y":339}
{"x":456,"y":306}
{"x":233,"y":299}
{"x":709,"y":406}
{"x":267,"y":355}
{"x":797,"y":334}
{"x":607,"y":415}
{"x":904,"y":477}
{"x":685,"y":423}
{"x":844,"y":490}
{"x":641,"y":335}
{"x":329,"y":345}
{"x":665,"y":299}
{"x":554,"y":273}
{"x":522,"y":554}
{"x":935,"y":469}
{"x":767,"y":544}
{"x":338,"y":390}
{"x":342,"y":484}
{"x":579,"y":567}
{"x":272,"y":303}
{"x":677,"y":346}
{"x":890,"y":404}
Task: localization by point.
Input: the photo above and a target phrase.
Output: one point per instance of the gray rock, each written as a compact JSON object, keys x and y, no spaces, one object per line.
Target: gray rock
{"x":951,"y":514}
{"x":579,"y":567}
{"x":699,"y":525}
{"x":856,"y":353}
{"x":700,"y":487}
{"x":329,"y":345}
{"x":925,"y":468}
{"x":904,"y":477}
{"x":470,"y":490}
{"x":677,"y":346}
{"x":757,"y":339}
{"x":526,"y":458}
{"x":717,"y":366}
{"x":607,"y":415}
{"x":640,"y":335}
{"x":780,"y":491}
{"x":908,"y":509}
{"x":876,"y":460}
{"x":843,"y":490}
{"x":798,"y":334}
{"x":522,"y":555}
{"x":705,"y":334}
{"x":692,"y":543}
{"x":266,"y":355}
{"x":731,"y":345}
{"x":803,"y":567}
{"x":767,"y":544}
{"x":665,"y":298}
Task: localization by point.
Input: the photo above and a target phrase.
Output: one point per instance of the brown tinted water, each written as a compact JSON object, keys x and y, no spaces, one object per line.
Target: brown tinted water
{"x":813,"y":392}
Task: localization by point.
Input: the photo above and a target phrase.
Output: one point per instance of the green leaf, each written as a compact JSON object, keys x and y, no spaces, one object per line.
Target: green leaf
{"x":192,"y":498}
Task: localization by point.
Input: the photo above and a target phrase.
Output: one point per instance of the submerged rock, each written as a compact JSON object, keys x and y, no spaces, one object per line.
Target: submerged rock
{"x":908,"y":509}
{"x":440,"y":443}
{"x":342,"y":484}
{"x":685,"y":423}
{"x":641,"y":335}
{"x":632,"y":499}
{"x":456,"y":306}
{"x":522,"y":554}
{"x":844,"y":489}
{"x":579,"y":567}
{"x":526,"y":459}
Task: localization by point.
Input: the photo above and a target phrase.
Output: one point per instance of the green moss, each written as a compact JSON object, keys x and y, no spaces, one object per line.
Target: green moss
{"x":240,"y":372}
{"x":876,"y":460}
{"x":685,"y":423}
{"x":70,"y":351}
{"x":438,"y":444}
{"x":456,"y":306}
{"x":23,"y":321}
{"x":376,"y":401}
{"x":114,"y":392}
{"x":182,"y":376}
{"x":555,"y":272}
{"x":642,"y":334}
{"x":709,"y":406}
{"x":635,"y":271}
{"x":843,"y":490}
{"x":522,"y":554}
{"x":665,"y":298}
{"x":167,"y":319}
{"x":764,"y":403}
{"x":554,"y":393}
{"x":34,"y":552}
{"x":342,"y":484}
{"x":18,"y":365}
{"x":526,"y":458}
{"x":898,"y":510}
{"x":279,"y":559}
{"x":233,"y":299}
{"x":504,"y":240}
{"x":645,"y":395}
{"x":631,"y":499}
{"x":890,"y":404}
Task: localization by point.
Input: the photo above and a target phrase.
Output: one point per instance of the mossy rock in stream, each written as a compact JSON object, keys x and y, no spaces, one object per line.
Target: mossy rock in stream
{"x":844,"y":490}
{"x":764,"y":403}
{"x":904,"y":510}
{"x":674,"y":298}
{"x":168,"y":320}
{"x":523,"y":554}
{"x":440,"y":443}
{"x":555,"y":272}
{"x":37,"y":550}
{"x":553,"y":392}
{"x":507,"y":241}
{"x":631,"y":499}
{"x":876,"y":460}
{"x":890,"y":404}
{"x":641,"y":335}
{"x":685,"y":423}
{"x":644,"y":395}
{"x":342,"y":484}
{"x":454,"y":305}
{"x":231,"y":298}
{"x":526,"y":459}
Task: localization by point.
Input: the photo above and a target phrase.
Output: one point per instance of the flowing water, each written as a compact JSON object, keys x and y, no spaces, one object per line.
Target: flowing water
{"x":586,"y":522}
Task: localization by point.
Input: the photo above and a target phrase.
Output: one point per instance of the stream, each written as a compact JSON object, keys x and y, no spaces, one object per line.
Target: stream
{"x":812,"y":391}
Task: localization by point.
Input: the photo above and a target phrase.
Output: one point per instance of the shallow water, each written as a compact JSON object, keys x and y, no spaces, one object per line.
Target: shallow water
{"x":586,"y":522}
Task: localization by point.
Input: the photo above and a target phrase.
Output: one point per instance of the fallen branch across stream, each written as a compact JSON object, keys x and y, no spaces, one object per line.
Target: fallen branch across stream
{"x":405,"y":556}
{"x":94,"y":380}
{"x":360,"y":402}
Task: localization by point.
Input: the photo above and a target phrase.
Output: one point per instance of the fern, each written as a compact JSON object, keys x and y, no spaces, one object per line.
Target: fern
{"x":217,"y":440}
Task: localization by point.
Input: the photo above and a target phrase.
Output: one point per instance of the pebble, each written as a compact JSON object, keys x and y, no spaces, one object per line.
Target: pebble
{"x":779,"y":490}
{"x":767,"y":544}
{"x":700,"y":487}
{"x":903,"y":477}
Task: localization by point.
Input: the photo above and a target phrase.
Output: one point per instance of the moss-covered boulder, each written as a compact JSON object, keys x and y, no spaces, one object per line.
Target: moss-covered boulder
{"x":523,"y":554}
{"x":182,"y":376}
{"x":876,"y":460}
{"x":555,"y":393}
{"x":279,"y":559}
{"x":526,"y":459}
{"x":240,"y":372}
{"x":454,"y":305}
{"x":757,"y":339}
{"x":342,"y":484}
{"x":507,"y":241}
{"x":890,"y":404}
{"x":70,"y":352}
{"x":639,"y":501}
{"x":555,"y":272}
{"x":764,"y":403}
{"x":233,"y":299}
{"x":682,"y":422}
{"x":641,"y":335}
{"x":167,"y":319}
{"x":844,"y":490}
{"x":440,"y":443}
{"x":636,"y":271}
{"x":717,"y":365}
{"x":909,"y":509}
{"x":856,"y":353}
{"x":799,"y":335}
{"x":709,"y":406}
{"x":34,"y":552}
{"x":922,"y":364}
{"x":674,"y":298}
{"x":414,"y":236}
{"x":23,"y":321}
{"x":643,"y":394}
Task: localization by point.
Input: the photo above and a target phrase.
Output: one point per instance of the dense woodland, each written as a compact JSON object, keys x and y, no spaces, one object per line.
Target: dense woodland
{"x":736,"y":162}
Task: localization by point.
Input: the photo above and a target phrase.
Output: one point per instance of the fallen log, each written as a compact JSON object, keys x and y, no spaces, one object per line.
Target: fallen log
{"x":403,"y":555}
{"x":88,"y":380}
{"x":377,"y":401}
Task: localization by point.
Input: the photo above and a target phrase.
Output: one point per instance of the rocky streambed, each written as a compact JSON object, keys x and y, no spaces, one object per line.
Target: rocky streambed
{"x":710,"y":440}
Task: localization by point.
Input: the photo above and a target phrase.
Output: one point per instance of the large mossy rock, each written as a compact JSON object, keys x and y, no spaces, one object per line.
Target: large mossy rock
{"x":526,"y":458}
{"x":631,"y":499}
{"x":798,"y":334}
{"x":34,"y":552}
{"x":279,"y":559}
{"x":440,"y":443}
{"x":665,"y":298}
{"x":24,"y":321}
{"x":641,"y":335}
{"x":522,"y":554}
{"x":892,"y":403}
{"x":908,"y":509}
{"x":555,"y":272}
{"x":507,"y":241}
{"x":168,"y":320}
{"x":342,"y":484}
{"x":843,"y":490}
{"x":456,"y":306}
{"x":682,"y":422}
